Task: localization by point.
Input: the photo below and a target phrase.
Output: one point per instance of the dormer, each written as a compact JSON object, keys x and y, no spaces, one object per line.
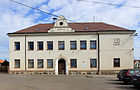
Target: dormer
{"x":61,"y":25}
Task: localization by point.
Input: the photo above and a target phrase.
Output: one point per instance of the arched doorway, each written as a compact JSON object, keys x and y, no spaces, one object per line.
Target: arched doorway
{"x":61,"y":66}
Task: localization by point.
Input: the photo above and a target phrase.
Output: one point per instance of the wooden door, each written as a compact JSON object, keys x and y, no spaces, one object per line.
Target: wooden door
{"x":61,"y":66}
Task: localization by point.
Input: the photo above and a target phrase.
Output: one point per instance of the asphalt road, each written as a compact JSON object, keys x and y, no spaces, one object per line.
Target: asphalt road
{"x":44,"y":82}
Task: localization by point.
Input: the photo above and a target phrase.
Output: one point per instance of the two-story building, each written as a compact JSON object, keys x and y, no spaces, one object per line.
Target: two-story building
{"x":71,"y":48}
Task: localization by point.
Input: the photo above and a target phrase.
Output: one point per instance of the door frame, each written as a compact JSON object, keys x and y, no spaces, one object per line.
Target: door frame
{"x":59,"y":65}
{"x":56,"y":66}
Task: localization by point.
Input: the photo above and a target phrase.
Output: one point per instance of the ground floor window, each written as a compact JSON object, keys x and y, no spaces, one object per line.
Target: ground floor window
{"x":93,"y":63}
{"x":73,"y":63}
{"x":40,"y":63}
{"x":116,"y":62}
{"x":49,"y":63}
{"x":17,"y":63}
{"x":30,"y":63}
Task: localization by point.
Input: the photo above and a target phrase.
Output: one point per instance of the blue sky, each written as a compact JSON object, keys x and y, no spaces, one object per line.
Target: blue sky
{"x":14,"y":17}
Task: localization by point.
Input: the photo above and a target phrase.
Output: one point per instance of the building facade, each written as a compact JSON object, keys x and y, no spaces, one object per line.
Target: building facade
{"x":71,"y":48}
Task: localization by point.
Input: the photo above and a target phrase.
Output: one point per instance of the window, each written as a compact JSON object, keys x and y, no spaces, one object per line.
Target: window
{"x":17,"y":63}
{"x":40,"y":63}
{"x":61,"y":45}
{"x":83,"y":45}
{"x":40,"y":45}
{"x":116,"y":62}
{"x":30,"y":45}
{"x":73,"y":45}
{"x":93,"y":63}
{"x":49,"y":63}
{"x":92,"y":44}
{"x":61,"y":23}
{"x":30,"y":63}
{"x":73,"y":63}
{"x":49,"y":45}
{"x":17,"y":45}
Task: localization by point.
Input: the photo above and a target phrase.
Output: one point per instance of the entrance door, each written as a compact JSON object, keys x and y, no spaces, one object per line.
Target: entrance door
{"x":61,"y":66}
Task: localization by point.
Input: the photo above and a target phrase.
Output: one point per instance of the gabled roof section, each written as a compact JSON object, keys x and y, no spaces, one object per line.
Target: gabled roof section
{"x":78,"y":27}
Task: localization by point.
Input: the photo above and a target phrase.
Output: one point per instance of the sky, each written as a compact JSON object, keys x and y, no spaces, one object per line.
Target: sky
{"x":14,"y":17}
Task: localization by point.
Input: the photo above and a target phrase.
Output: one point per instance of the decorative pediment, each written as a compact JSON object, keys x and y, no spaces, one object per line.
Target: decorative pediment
{"x":61,"y":25}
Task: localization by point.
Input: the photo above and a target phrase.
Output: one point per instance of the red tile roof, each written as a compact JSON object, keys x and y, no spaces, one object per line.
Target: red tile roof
{"x":96,"y":26}
{"x":1,"y":61}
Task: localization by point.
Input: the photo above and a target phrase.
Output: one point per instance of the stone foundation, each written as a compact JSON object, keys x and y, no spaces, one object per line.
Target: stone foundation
{"x":71,"y":72}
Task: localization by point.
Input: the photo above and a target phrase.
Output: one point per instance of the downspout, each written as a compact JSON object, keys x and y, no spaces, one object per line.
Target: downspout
{"x":98,"y":54}
{"x":25,"y":52}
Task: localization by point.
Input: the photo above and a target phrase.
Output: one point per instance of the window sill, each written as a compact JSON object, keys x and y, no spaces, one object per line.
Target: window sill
{"x":93,"y":67}
{"x":50,"y":67}
{"x":30,"y":50}
{"x":73,"y":49}
{"x":73,"y":67}
{"x":17,"y":67}
{"x":83,"y":49}
{"x":92,"y":49}
{"x":39,"y":50}
{"x":30,"y":67}
{"x":49,"y":49}
{"x":16,"y":50}
{"x":40,"y":67}
{"x":116,"y":67}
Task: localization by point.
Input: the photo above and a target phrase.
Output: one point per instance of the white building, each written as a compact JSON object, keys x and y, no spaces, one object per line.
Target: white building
{"x":71,"y":48}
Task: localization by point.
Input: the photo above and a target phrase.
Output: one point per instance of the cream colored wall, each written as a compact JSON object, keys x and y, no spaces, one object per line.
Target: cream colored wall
{"x":55,"y":54}
{"x":107,"y":51}
{"x":17,"y":54}
{"x":123,"y":51}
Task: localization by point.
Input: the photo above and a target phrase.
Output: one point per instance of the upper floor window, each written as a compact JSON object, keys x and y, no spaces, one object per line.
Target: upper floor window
{"x":30,"y":63}
{"x":49,"y":63}
{"x":17,"y":63}
{"x":73,"y":45}
{"x":93,"y":63}
{"x":49,"y":45}
{"x":73,"y":63}
{"x":116,"y":62}
{"x":17,"y":45}
{"x":83,"y":45}
{"x":40,"y":45}
{"x":92,"y":44}
{"x":30,"y":45}
{"x":61,"y":45}
{"x":40,"y":63}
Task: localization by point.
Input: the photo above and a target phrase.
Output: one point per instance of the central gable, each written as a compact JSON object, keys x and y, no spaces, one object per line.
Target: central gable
{"x":61,"y":25}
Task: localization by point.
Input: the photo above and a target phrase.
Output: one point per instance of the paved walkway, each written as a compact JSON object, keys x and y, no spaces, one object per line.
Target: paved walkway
{"x":61,"y":82}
